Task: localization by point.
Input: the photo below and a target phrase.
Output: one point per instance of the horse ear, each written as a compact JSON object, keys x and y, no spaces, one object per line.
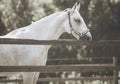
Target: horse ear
{"x":76,"y":6}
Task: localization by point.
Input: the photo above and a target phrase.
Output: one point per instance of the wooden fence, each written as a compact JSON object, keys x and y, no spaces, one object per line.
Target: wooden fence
{"x":63,"y":68}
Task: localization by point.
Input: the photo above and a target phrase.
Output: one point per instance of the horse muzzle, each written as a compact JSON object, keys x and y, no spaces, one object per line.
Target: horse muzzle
{"x":86,"y":37}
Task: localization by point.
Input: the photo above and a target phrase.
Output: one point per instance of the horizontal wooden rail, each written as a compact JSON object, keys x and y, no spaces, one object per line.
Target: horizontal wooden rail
{"x":60,"y":68}
{"x":75,"y":79}
{"x":86,"y":58}
{"x":59,"y":42}
{"x":60,"y":79}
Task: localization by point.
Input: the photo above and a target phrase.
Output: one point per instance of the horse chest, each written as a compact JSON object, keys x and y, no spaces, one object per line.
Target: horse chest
{"x":7,"y":55}
{"x":33,"y":55}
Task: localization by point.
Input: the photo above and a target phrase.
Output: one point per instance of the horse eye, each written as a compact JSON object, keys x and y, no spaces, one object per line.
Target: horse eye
{"x":77,"y":20}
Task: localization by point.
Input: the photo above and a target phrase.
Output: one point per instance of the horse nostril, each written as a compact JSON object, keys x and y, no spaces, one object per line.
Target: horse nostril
{"x":89,"y":38}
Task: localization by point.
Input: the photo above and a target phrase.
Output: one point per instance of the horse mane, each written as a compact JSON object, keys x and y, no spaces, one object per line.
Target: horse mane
{"x":47,"y":17}
{"x":43,"y":20}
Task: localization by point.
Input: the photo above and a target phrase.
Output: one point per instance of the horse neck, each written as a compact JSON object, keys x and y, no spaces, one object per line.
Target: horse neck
{"x":49,"y":28}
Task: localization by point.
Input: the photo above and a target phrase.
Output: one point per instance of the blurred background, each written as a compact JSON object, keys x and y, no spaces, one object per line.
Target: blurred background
{"x":101,"y":16}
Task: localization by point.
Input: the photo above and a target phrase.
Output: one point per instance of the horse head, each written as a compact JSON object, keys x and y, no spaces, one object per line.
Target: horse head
{"x":75,"y":25}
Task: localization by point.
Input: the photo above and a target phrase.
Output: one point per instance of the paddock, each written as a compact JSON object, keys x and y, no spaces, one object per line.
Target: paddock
{"x":113,"y":66}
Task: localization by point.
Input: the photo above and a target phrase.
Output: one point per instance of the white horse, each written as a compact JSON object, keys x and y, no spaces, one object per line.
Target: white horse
{"x":48,"y":28}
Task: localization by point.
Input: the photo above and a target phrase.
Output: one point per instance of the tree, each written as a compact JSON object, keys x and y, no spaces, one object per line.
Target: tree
{"x":106,"y":21}
{"x":2,"y":26}
{"x":15,"y":13}
{"x":105,"y":25}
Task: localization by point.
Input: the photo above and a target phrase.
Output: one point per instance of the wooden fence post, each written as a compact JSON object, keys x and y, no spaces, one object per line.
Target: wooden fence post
{"x":115,"y":71}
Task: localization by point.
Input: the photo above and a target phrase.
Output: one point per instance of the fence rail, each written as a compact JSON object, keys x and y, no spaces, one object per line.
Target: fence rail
{"x":59,"y":42}
{"x":60,"y":68}
{"x":61,"y":79}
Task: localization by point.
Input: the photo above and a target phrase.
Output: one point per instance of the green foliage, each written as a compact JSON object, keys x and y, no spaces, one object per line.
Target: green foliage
{"x":104,"y":24}
{"x":23,"y":12}
{"x":2,"y":26}
{"x":106,"y":21}
{"x":15,"y":13}
{"x":63,"y":4}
